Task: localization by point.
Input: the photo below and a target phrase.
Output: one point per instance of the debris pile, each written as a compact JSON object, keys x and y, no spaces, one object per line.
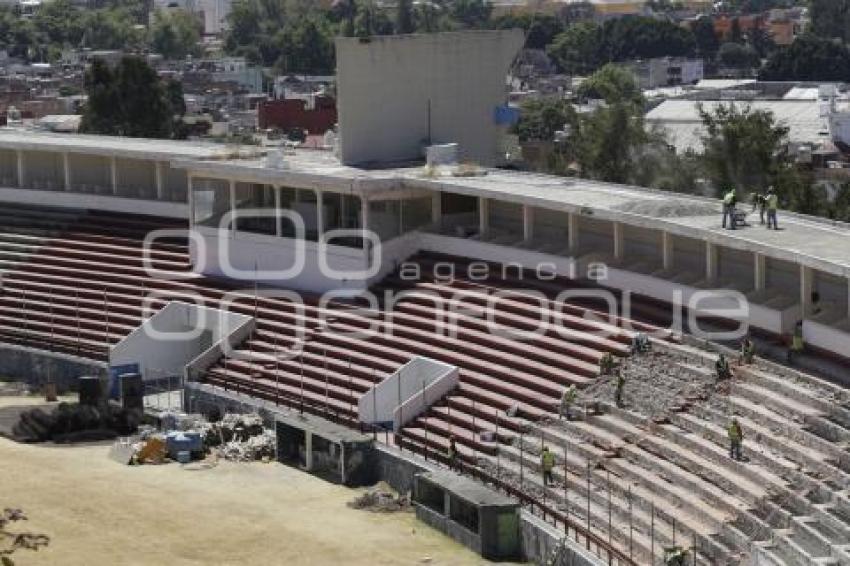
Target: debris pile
{"x":70,"y":422}
{"x":241,"y":438}
{"x":260,"y":447}
{"x":381,"y":499}
{"x":656,"y":383}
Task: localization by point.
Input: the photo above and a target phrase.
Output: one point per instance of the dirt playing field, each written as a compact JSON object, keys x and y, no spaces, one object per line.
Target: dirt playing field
{"x":98,"y":512}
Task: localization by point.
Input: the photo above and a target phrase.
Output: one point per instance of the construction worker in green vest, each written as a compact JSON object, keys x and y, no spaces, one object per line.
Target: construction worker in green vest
{"x":797,"y":343}
{"x":568,"y":397}
{"x":730,"y":199}
{"x":736,"y":438}
{"x":772,"y":204}
{"x":547,"y":464}
{"x":722,"y":368}
{"x":748,"y":350}
{"x":606,"y":364}
{"x":618,"y":393}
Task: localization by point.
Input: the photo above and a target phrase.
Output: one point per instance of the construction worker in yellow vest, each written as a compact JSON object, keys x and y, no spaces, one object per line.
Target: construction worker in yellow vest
{"x":606,"y":364}
{"x":736,"y":438}
{"x":618,"y":392}
{"x":772,"y":204}
{"x":547,"y":464}
{"x":748,"y":350}
{"x":567,"y":400}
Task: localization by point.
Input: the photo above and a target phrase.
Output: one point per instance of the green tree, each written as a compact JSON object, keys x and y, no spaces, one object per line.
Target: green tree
{"x":705,"y":38}
{"x":583,"y":47}
{"x":577,"y":50}
{"x":540,"y":118}
{"x":111,"y":29}
{"x":613,"y":84}
{"x":630,"y":38}
{"x":744,"y":148}
{"x":102,"y":114}
{"x":130,"y":100}
{"x":404,"y":17}
{"x":59,"y":23}
{"x":175,"y":35}
{"x":306,"y":46}
{"x":738,"y":56}
{"x":470,"y":14}
{"x":540,"y":29}
{"x":610,"y":141}
{"x":830,"y":18}
{"x":809,"y":58}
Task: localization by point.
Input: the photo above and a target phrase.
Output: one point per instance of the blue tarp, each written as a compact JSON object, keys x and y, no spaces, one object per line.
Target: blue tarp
{"x":506,"y":115}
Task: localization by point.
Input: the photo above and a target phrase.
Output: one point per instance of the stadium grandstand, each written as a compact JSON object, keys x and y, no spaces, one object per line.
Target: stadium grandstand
{"x":524,"y":283}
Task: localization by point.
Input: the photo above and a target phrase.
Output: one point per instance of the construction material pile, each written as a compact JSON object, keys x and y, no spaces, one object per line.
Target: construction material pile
{"x":381,"y":499}
{"x":241,"y":438}
{"x":70,"y":422}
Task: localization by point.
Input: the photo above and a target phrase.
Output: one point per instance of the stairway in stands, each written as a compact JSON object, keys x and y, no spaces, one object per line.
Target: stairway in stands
{"x":76,"y":283}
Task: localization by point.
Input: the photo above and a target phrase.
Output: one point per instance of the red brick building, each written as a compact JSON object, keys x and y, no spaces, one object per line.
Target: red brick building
{"x":294,"y":113}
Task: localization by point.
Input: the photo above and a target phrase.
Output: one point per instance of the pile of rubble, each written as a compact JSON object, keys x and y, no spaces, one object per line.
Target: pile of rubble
{"x":381,"y":499}
{"x":185,"y":438}
{"x":656,"y":383}
{"x":241,"y":438}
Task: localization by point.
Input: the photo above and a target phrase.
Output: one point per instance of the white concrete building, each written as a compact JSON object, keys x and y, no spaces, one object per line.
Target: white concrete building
{"x":399,"y":94}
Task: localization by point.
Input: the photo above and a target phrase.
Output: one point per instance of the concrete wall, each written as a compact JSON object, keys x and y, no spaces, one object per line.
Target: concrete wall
{"x":405,"y":389}
{"x":540,"y":540}
{"x":274,"y":260}
{"x":35,"y":367}
{"x":166,"y":342}
{"x":95,"y":202}
{"x":390,"y":86}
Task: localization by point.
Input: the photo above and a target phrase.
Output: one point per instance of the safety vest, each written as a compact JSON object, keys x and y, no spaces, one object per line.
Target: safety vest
{"x":734,"y":432}
{"x":729,"y":198}
{"x":548,"y":461}
{"x":772,"y":202}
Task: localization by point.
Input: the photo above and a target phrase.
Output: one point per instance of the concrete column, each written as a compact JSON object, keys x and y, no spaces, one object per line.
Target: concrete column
{"x":113,"y":169}
{"x":233,"y":204}
{"x":21,"y":173}
{"x":320,"y":215}
{"x":527,"y":223}
{"x":191,"y":198}
{"x":667,"y":250}
{"x":807,"y":279}
{"x":66,"y":168}
{"x":710,"y":261}
{"x":160,"y":183}
{"x":278,"y":228}
{"x":308,"y":450}
{"x":760,"y":271}
{"x":572,"y":232}
{"x":364,"y":218}
{"x":483,"y":216}
{"x":437,"y":209}
{"x":619,"y":243}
